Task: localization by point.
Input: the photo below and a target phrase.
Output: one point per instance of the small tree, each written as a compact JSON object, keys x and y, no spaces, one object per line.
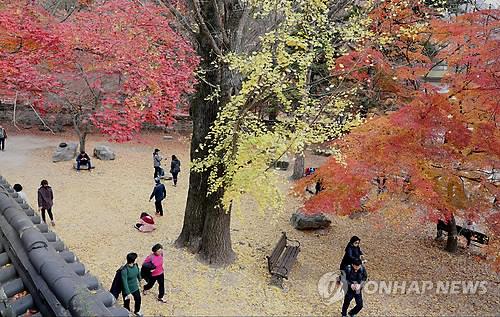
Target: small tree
{"x":121,"y":71}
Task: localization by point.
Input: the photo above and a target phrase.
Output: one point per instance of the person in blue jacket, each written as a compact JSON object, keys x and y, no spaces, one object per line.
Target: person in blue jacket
{"x":159,"y":193}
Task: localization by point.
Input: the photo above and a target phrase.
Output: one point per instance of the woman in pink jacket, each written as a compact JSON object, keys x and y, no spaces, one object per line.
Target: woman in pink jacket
{"x":157,"y":273}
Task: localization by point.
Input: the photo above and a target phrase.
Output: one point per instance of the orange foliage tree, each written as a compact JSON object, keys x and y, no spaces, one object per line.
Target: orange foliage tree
{"x":441,"y":147}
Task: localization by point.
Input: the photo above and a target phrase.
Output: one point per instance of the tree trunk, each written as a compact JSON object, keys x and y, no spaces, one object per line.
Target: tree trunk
{"x":83,"y":139}
{"x":206,"y":228}
{"x":452,"y":242}
{"x":298,"y":166}
{"x":216,"y":239}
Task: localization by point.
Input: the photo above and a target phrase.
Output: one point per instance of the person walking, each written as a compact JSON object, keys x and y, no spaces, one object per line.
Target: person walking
{"x":130,"y":284}
{"x":19,"y":190}
{"x":157,"y":163}
{"x":157,"y":274}
{"x":352,"y":252}
{"x":3,"y":136}
{"x":159,"y":193}
{"x":355,"y":279}
{"x":46,"y":200}
{"x":175,"y":168}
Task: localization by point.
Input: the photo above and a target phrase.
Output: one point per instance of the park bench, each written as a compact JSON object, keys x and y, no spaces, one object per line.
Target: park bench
{"x":470,"y":235}
{"x":281,"y":260}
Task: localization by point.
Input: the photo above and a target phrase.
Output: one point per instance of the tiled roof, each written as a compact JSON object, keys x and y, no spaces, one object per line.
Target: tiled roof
{"x":38,"y":273}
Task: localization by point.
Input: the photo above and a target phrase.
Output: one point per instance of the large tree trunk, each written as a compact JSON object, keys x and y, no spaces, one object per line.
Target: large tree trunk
{"x":206,"y":228}
{"x":298,"y":166}
{"x":83,"y":139}
{"x":452,"y":242}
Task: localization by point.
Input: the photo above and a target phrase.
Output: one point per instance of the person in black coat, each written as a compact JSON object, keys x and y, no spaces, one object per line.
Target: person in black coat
{"x":83,"y":159}
{"x":352,"y":252}
{"x":175,"y":168}
{"x":355,"y":279}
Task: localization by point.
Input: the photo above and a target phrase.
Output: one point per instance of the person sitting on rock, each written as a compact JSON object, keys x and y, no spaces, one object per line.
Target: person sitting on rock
{"x":83,"y":159}
{"x":146,"y":223}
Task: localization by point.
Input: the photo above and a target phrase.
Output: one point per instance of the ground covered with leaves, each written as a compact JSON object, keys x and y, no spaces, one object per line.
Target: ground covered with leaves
{"x":95,"y":213}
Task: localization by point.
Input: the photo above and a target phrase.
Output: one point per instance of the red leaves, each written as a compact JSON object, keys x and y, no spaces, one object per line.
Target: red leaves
{"x":430,"y":145}
{"x":117,"y":61}
{"x":25,"y":44}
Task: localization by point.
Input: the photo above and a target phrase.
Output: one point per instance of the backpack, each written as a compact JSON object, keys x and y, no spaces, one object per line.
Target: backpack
{"x":116,"y":285}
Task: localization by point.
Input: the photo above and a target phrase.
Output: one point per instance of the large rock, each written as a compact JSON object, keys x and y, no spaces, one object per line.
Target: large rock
{"x":65,"y":152}
{"x":301,"y":221}
{"x":104,"y":153}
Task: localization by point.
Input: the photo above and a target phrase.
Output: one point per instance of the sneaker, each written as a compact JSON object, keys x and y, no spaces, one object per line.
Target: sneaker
{"x":139,"y":314}
{"x":163,"y":300}
{"x":53,"y":223}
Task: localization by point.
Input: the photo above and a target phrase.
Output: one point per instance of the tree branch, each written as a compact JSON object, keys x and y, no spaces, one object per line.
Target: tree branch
{"x":220,"y":23}
{"x":204,"y":28}
{"x":181,"y":18}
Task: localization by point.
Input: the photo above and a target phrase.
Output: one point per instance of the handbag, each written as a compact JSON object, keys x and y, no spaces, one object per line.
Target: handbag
{"x":146,"y":269}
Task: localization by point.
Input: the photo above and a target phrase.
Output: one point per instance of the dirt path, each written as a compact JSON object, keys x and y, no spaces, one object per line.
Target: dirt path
{"x":95,"y":213}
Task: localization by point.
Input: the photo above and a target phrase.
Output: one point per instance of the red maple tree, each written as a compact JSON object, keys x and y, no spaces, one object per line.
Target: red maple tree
{"x":441,"y":145}
{"x":119,"y":64}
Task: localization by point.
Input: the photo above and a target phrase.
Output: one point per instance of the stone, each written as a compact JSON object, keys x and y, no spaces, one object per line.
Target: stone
{"x":65,"y":152}
{"x":83,"y":167}
{"x":301,"y":221}
{"x":104,"y":153}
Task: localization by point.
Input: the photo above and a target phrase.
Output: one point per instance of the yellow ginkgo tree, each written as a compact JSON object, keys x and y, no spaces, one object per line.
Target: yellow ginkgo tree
{"x":267,"y":88}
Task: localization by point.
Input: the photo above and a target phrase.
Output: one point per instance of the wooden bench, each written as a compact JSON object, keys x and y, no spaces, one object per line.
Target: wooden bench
{"x":281,"y":260}
{"x":470,"y":235}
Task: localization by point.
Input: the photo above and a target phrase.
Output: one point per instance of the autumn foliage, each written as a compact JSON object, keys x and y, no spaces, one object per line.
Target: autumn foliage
{"x":27,"y":48}
{"x":115,"y":64}
{"x":441,"y":145}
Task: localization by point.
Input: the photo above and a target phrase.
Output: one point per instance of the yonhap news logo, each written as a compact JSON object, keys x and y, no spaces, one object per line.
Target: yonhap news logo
{"x":332,"y":287}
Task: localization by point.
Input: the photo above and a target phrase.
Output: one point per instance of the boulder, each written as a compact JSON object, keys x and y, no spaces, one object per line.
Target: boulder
{"x":65,"y":152}
{"x":301,"y":221}
{"x":104,"y":153}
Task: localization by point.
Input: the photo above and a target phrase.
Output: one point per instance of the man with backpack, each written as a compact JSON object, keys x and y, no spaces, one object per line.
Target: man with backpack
{"x":126,"y":281}
{"x":3,"y":136}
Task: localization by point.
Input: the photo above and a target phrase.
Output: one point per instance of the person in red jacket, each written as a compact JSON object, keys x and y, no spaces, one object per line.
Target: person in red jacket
{"x":146,"y":223}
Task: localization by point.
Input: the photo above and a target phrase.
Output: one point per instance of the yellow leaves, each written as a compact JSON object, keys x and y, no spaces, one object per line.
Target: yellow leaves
{"x":296,"y":42}
{"x":240,"y":147}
